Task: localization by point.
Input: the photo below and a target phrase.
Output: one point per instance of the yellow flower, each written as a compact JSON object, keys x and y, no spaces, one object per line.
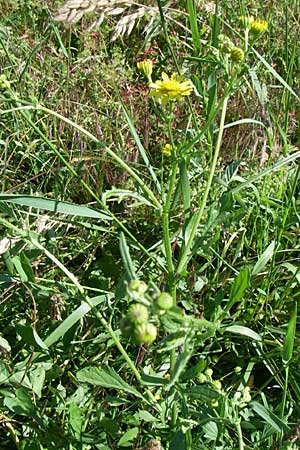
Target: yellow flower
{"x":146,"y":67}
{"x":258,"y":26}
{"x":173,"y":88}
{"x":167,"y":150}
{"x":246,"y":21}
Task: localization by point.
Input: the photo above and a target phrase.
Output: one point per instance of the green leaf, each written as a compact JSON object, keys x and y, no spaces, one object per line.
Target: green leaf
{"x":139,"y":145}
{"x":106,"y":378}
{"x":238,"y":288}
{"x":4,"y":372}
{"x":194,"y":25}
{"x":245,"y":331}
{"x":203,"y":393}
{"x":20,"y":404}
{"x":73,"y":318}
{"x":211,"y":430}
{"x":31,"y":337}
{"x":54,"y":206}
{"x":152,"y":380}
{"x":128,"y":437}
{"x":110,"y":426}
{"x":4,"y":345}
{"x":37,"y":379}
{"x":264,"y":258}
{"x":23,"y":267}
{"x":288,"y":345}
{"x":75,"y":418}
{"x":282,"y":162}
{"x":275,"y":74}
{"x":269,"y":417}
{"x":146,"y":416}
{"x":178,"y":441}
{"x":129,"y":266}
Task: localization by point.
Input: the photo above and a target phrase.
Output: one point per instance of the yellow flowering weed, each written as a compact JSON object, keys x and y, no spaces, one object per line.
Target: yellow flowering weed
{"x":259,"y":26}
{"x":167,"y":150}
{"x":170,"y":88}
{"x":146,"y":67}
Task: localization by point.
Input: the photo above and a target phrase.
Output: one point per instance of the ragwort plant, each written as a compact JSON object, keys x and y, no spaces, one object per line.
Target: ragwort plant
{"x":171,"y":376}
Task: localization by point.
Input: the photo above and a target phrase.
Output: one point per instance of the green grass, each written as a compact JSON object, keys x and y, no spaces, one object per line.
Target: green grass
{"x":89,"y":204}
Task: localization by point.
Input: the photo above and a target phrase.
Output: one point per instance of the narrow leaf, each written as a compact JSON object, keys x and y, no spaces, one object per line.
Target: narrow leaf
{"x":269,"y":417}
{"x":288,"y":346}
{"x":194,"y":25}
{"x":139,"y":145}
{"x":244,"y":331}
{"x":275,"y":74}
{"x":106,"y":378}
{"x":73,"y":318}
{"x":264,"y":259}
{"x":238,"y":288}
{"x":128,"y":263}
{"x":54,"y":206}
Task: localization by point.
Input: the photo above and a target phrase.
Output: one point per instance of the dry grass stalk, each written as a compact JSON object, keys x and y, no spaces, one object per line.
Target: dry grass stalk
{"x":73,"y":10}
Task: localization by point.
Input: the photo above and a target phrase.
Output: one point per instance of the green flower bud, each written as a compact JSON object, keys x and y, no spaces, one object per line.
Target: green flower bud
{"x":138,"y":314}
{"x":217,"y":385}
{"x":246,"y":21}
{"x":146,"y":67}
{"x":238,"y":370}
{"x":246,"y":394}
{"x":165,"y":301}
{"x":209,"y":372}
{"x":236,"y":54}
{"x":224,"y":43}
{"x":202,"y":378}
{"x":145,"y":333}
{"x":137,"y":289}
{"x":126,"y":327}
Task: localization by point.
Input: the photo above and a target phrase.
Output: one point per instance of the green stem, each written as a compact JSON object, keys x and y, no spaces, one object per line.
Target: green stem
{"x":165,"y":224}
{"x":286,"y":383}
{"x":185,"y":255}
{"x":166,"y":214}
{"x":165,"y":31}
{"x":240,"y":434}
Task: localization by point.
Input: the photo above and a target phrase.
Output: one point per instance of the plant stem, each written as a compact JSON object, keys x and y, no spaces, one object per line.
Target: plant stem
{"x":122,"y":350}
{"x":166,"y":210}
{"x":240,"y":434}
{"x":185,"y":256}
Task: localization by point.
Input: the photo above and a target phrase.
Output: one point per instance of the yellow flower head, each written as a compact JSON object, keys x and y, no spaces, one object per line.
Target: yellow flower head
{"x":167,"y":150}
{"x":146,"y":67}
{"x":258,"y":26}
{"x":170,"y":89}
{"x":246,"y":21}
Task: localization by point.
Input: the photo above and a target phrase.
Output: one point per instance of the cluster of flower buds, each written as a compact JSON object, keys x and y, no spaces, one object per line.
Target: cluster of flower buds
{"x":143,"y":311}
{"x":256,"y":26}
{"x":236,"y":54}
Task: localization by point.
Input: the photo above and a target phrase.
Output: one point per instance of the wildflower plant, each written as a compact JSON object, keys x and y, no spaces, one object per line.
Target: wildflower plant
{"x":166,"y":349}
{"x":170,"y":88}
